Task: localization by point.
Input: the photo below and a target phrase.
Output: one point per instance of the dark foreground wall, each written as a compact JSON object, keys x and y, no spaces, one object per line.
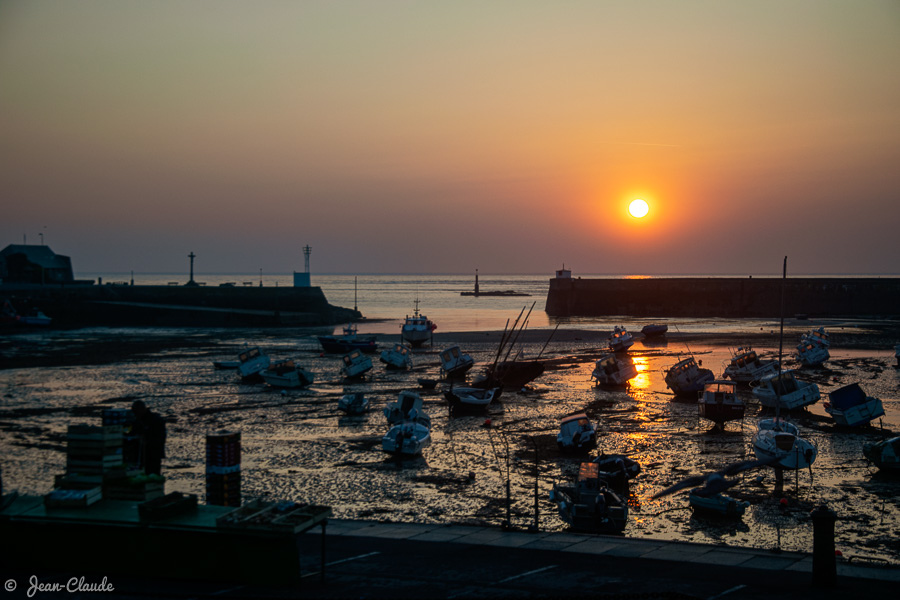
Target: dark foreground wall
{"x":144,"y":305}
{"x":724,"y":297}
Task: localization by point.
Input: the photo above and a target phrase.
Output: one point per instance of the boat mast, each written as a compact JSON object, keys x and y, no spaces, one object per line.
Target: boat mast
{"x":780,"y":343}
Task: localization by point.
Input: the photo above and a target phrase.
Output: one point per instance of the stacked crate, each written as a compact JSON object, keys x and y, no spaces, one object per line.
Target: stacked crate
{"x":93,"y":450}
{"x":223,"y":468}
{"x":131,"y":445}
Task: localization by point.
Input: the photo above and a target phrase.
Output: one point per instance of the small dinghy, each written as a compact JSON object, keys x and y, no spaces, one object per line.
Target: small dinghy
{"x":469,"y":399}
{"x":286,"y":374}
{"x":354,"y":404}
{"x":716,"y":504}
{"x":406,"y":438}
{"x":576,"y":434}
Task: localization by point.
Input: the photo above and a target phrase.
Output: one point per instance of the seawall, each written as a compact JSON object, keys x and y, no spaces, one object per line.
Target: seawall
{"x":724,"y":297}
{"x":144,"y":305}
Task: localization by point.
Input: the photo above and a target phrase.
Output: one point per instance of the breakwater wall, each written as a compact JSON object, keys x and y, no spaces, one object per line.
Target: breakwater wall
{"x":147,"y":305}
{"x":725,"y":297}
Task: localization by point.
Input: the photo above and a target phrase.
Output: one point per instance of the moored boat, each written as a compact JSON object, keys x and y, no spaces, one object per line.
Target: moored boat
{"x":253,"y":361}
{"x":515,"y":374}
{"x":720,"y":403}
{"x":354,"y":404}
{"x":589,"y":505}
{"x":348,"y":342}
{"x":617,"y":469}
{"x":816,"y":336}
{"x":469,"y":398}
{"x":407,"y":407}
{"x":417,"y":329}
{"x":783,"y":390}
{"x":619,"y":340}
{"x":576,"y":433}
{"x":717,"y":504}
{"x":407,"y":438}
{"x":287,"y":374}
{"x":850,"y":406}
{"x":746,"y":366}
{"x":454,"y":363}
{"x":884,"y":454}
{"x":355,"y":364}
{"x":654,"y":330}
{"x":687,"y":378}
{"x":398,"y":357}
{"x":779,"y":441}
{"x":614,"y":370}
{"x":811,"y":354}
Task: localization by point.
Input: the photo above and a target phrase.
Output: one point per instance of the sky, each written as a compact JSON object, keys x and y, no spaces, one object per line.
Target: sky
{"x":443,"y":137}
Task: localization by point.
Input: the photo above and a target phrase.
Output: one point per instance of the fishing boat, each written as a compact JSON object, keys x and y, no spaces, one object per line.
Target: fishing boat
{"x":850,"y":406}
{"x":687,"y":378}
{"x":811,"y":354}
{"x":654,"y":330}
{"x":398,"y":357}
{"x":884,"y":454}
{"x":746,"y":366}
{"x":469,"y":398}
{"x":408,"y":438}
{"x":417,"y":329}
{"x":355,"y":364}
{"x":785,"y":391}
{"x":515,"y":374}
{"x":348,"y":342}
{"x":253,"y":361}
{"x":454,"y":363}
{"x":617,"y":469}
{"x":407,"y":407}
{"x":354,"y":404}
{"x":287,"y":374}
{"x":614,"y":370}
{"x":589,"y":505}
{"x":720,"y":403}
{"x":779,"y":441}
{"x":576,"y":434}
{"x":716,"y":504}
{"x":620,"y":340}
{"x":816,"y":336}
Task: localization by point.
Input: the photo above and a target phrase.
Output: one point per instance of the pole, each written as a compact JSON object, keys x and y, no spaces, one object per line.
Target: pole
{"x":824,"y":569}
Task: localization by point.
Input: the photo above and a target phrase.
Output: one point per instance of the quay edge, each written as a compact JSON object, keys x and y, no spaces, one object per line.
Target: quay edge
{"x":734,"y":297}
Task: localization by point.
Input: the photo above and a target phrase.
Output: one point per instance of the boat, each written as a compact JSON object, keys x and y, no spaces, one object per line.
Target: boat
{"x":287,"y":374}
{"x":897,"y":354}
{"x":746,"y":366}
{"x":617,"y":469}
{"x":687,"y":378}
{"x":576,"y":434}
{"x":417,"y":329}
{"x":253,"y":361}
{"x":407,"y":438}
{"x":354,"y":404}
{"x":654,"y":330}
{"x":35,"y":319}
{"x":356,"y":364}
{"x":407,"y":407}
{"x":718,"y":504}
{"x":398,"y":357}
{"x":884,"y":454}
{"x":589,"y":505}
{"x":348,"y":342}
{"x":469,"y":398}
{"x":613,"y":370}
{"x":779,"y":441}
{"x":785,"y":391}
{"x":851,"y":406}
{"x":478,"y":292}
{"x":620,"y":340}
{"x":811,"y":354}
{"x":720,"y":403}
{"x":515,"y":374}
{"x":226,"y":364}
{"x":816,"y":336}
{"x":454,"y":363}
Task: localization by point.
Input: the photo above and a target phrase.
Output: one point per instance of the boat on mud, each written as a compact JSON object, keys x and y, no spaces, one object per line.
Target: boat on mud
{"x":454,"y":363}
{"x":654,"y":330}
{"x":348,"y":342}
{"x":589,"y":505}
{"x":851,"y":407}
{"x":779,"y":441}
{"x":687,"y":377}
{"x":287,"y":374}
{"x":407,"y":439}
{"x":417,"y":329}
{"x":614,"y":370}
{"x":399,"y":357}
{"x":716,"y":504}
{"x":252,"y":362}
{"x":617,"y":469}
{"x":884,"y":454}
{"x":355,"y":364}
{"x":469,"y":399}
{"x":746,"y":366}
{"x":354,"y":404}
{"x":619,"y":340}
{"x":576,"y":434}
{"x":783,"y":390}
{"x":720,"y":403}
{"x":407,"y":407}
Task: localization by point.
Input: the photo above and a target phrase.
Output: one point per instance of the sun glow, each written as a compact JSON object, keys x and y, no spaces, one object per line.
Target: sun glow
{"x":638,"y":208}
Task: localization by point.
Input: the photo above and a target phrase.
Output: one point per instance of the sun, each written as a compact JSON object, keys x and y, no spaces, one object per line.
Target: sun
{"x":638,"y":208}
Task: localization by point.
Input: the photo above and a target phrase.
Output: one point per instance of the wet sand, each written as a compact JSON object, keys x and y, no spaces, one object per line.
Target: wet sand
{"x":298,"y":446}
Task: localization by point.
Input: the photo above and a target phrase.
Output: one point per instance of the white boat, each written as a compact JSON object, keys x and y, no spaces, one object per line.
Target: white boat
{"x":417,"y":329}
{"x":851,"y":406}
{"x":469,"y":398}
{"x":620,"y":340}
{"x":356,"y":364}
{"x":354,"y":404}
{"x":407,"y":407}
{"x":884,"y":454}
{"x":783,"y":390}
{"x":590,"y":505}
{"x":406,"y":438}
{"x":252,"y":362}
{"x":576,"y":434}
{"x":454,"y":363}
{"x":811,"y":354}
{"x":719,"y":402}
{"x":816,"y":336}
{"x":398,"y":357}
{"x":687,"y":378}
{"x":897,"y":354}
{"x":287,"y":374}
{"x":614,"y":370}
{"x":779,"y":440}
{"x":746,"y":366}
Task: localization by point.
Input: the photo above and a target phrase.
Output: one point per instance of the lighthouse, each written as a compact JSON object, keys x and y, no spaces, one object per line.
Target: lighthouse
{"x":302,"y":279}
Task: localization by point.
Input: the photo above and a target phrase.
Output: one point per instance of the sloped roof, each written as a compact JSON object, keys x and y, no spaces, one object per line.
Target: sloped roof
{"x":39,"y":255}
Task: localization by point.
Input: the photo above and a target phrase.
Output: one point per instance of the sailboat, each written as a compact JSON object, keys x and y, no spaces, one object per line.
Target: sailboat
{"x":778,"y":440}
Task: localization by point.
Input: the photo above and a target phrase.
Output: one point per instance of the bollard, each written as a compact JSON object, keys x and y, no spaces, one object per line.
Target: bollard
{"x":824,"y":570}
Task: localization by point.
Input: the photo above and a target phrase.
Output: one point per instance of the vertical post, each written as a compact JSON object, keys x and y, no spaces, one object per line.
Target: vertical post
{"x":824,"y":568}
{"x":192,"y":256}
{"x":537,"y":510}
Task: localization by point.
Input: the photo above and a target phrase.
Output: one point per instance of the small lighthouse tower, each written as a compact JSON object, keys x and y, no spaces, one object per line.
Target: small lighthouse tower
{"x":302,"y":279}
